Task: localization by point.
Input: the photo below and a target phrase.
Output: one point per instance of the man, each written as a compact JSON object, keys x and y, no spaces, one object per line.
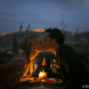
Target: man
{"x":71,"y":65}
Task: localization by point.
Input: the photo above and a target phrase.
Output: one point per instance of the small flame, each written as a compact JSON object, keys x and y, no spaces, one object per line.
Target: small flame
{"x":42,"y":74}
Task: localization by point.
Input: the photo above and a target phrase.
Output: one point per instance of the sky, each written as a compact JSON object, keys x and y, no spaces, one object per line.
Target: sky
{"x":74,"y":14}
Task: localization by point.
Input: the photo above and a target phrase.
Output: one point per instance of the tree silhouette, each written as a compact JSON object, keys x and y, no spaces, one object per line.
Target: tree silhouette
{"x":21,"y":27}
{"x":28,"y":28}
{"x":15,"y":46}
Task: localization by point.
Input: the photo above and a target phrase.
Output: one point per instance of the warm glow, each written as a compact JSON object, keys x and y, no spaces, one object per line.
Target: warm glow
{"x":51,"y":50}
{"x":44,"y":62}
{"x":36,"y":53}
{"x":39,"y":30}
{"x":42,"y":74}
{"x":32,"y":59}
{"x":5,"y":33}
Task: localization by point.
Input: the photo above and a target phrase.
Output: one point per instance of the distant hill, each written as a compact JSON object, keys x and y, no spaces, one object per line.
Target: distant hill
{"x":6,"y":41}
{"x":80,"y":42}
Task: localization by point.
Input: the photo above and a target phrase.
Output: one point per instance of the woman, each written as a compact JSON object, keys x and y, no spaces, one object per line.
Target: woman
{"x":21,"y":64}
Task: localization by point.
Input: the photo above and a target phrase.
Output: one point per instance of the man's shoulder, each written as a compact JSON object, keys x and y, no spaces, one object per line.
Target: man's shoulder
{"x":65,"y":47}
{"x":66,"y":51}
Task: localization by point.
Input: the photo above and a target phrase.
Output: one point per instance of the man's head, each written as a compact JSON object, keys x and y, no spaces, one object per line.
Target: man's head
{"x":54,"y":37}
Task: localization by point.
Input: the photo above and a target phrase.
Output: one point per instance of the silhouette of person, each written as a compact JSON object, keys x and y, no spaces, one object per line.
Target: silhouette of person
{"x":72,"y":69}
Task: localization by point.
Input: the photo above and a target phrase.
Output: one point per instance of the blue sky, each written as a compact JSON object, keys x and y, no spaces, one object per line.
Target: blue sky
{"x":44,"y":14}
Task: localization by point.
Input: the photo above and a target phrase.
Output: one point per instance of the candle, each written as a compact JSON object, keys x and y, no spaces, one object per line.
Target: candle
{"x":42,"y":74}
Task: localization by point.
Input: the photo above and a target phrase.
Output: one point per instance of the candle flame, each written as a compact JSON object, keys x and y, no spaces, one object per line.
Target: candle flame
{"x":42,"y":74}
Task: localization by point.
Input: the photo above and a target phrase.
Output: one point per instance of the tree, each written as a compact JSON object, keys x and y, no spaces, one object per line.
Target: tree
{"x":28,"y":28}
{"x":15,"y":46}
{"x":21,"y":27}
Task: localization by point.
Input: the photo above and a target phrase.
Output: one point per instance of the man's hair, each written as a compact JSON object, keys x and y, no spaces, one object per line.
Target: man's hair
{"x":56,"y":34}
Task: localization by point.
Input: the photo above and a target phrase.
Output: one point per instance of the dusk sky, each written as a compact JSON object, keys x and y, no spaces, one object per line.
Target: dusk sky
{"x":44,"y":14}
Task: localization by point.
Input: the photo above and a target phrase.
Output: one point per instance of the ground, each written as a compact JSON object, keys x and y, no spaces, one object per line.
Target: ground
{"x":43,"y":87}
{"x":31,"y":84}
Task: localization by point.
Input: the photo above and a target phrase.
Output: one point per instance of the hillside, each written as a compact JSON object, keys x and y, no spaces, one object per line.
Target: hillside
{"x":80,"y":42}
{"x":6,"y":41}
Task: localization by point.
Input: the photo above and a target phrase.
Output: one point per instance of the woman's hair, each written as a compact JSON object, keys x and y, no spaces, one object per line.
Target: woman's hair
{"x":26,"y":43}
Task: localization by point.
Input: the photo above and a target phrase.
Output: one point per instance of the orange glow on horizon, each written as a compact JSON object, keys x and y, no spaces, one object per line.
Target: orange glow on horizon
{"x":39,"y":30}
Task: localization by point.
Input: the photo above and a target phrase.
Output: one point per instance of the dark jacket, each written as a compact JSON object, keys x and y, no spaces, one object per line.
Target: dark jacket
{"x":72,"y":66}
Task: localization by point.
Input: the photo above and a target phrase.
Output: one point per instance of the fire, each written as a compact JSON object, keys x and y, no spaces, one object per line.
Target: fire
{"x":36,"y":53}
{"x":32,"y":59}
{"x":44,"y":62}
{"x":42,"y":75}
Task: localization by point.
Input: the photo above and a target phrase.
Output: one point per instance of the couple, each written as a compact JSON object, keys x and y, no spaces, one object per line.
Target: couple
{"x":71,"y":69}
